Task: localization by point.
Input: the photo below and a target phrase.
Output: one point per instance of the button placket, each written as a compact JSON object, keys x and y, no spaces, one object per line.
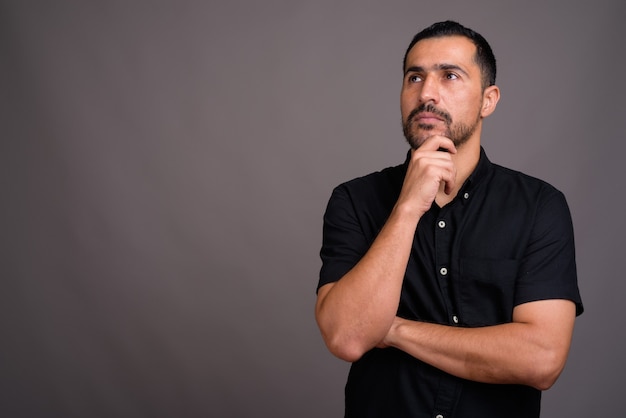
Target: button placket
{"x":443,"y":271}
{"x":444,"y":230}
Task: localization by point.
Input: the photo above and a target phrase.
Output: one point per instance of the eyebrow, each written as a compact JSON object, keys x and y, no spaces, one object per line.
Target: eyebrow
{"x":436,"y":67}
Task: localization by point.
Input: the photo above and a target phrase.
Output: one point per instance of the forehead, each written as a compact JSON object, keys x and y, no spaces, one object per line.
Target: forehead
{"x":456,"y":50}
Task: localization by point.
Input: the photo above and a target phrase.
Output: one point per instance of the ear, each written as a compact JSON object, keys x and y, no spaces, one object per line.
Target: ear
{"x":491,"y":95}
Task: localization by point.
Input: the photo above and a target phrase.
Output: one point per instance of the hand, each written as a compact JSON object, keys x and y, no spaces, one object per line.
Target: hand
{"x":429,"y":167}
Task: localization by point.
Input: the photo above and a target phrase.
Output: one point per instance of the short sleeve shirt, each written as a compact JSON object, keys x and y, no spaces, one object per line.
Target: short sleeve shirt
{"x":505,"y":239}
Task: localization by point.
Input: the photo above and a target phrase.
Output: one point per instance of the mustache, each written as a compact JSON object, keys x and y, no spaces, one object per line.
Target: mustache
{"x":430,"y":108}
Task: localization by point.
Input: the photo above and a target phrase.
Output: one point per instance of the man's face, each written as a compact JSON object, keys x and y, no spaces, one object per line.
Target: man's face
{"x":442,"y":91}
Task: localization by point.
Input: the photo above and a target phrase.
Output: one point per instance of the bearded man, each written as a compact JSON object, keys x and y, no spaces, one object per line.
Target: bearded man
{"x":448,"y":282}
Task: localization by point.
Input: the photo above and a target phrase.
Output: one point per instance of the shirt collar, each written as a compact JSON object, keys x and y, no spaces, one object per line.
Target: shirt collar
{"x":480,"y":172}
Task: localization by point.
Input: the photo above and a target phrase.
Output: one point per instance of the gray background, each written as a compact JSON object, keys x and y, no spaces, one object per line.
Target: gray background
{"x":165,"y":167}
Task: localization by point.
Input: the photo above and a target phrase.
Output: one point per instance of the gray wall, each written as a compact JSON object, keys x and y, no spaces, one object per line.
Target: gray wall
{"x":165,"y":166}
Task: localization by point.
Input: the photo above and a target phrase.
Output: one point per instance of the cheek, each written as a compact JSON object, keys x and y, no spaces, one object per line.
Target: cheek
{"x":471,"y":106}
{"x":405,"y":109}
{"x":408,"y":102}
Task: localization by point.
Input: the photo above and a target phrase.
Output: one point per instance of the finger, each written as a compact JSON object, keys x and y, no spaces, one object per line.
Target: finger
{"x":449,"y":181}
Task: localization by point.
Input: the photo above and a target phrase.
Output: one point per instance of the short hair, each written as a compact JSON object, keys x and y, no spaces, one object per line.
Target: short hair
{"x":484,"y":55}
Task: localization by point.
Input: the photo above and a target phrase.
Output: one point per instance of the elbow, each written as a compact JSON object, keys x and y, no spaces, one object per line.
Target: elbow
{"x":342,"y":343}
{"x":350,"y":351}
{"x":547,"y":370}
{"x":546,"y":380}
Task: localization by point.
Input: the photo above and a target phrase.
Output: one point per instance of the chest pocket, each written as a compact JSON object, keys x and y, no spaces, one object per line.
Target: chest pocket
{"x":486,"y":291}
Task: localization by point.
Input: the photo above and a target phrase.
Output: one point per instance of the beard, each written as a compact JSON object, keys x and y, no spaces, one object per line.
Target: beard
{"x":459,"y":133}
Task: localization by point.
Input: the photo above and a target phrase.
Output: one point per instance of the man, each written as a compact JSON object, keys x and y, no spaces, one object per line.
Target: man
{"x":448,"y":281}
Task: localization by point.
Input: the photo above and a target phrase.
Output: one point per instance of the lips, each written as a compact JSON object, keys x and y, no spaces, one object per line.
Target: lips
{"x":428,"y":117}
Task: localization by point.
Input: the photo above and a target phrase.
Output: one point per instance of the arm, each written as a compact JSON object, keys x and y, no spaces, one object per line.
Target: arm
{"x":354,"y":314}
{"x":531,"y":350}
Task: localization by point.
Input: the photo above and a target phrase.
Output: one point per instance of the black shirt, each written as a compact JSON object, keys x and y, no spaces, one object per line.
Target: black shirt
{"x":504,"y":240}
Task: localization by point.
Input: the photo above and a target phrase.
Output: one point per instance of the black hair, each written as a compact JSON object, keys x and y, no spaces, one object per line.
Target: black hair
{"x":484,"y":55}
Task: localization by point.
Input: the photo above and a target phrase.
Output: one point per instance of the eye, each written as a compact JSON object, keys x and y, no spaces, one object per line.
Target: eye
{"x":451,"y":76}
{"x":414,"y":79}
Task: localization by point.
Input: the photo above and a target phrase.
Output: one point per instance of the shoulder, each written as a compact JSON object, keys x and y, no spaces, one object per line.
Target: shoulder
{"x":381,"y":177}
{"x":522,"y":184}
{"x":514,"y":176}
{"x":366,"y":200}
{"x":376,"y":185}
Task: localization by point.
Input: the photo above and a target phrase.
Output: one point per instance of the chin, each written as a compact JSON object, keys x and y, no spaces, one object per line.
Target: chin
{"x":415,"y":141}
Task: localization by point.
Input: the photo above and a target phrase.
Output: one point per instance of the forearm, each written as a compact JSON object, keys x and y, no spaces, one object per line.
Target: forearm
{"x":523,"y":352}
{"x":355,"y":313}
{"x":498,"y":354}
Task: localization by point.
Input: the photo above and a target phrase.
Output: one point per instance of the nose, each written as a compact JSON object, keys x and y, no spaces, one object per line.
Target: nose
{"x":430,"y":90}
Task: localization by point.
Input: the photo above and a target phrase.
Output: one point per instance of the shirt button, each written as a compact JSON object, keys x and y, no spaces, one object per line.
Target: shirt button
{"x":442,"y":224}
{"x":466,"y":195}
{"x":443,"y":271}
{"x":455,"y":319}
